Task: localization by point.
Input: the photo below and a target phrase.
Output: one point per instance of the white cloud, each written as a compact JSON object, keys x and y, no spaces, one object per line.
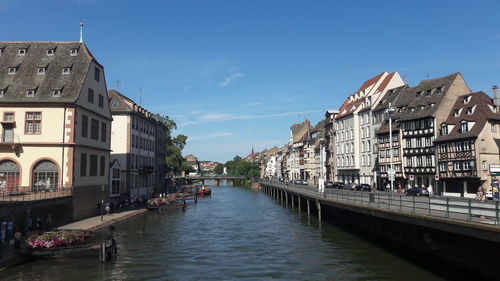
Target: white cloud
{"x":231,"y":79}
{"x":251,"y":104}
{"x":216,"y":135}
{"x":214,"y":117}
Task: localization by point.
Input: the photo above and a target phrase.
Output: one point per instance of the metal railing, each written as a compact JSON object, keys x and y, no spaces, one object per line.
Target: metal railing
{"x":28,"y":193}
{"x":450,"y":208}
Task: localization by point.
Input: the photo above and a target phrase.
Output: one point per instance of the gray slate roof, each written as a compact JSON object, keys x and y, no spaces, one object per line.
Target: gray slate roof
{"x":27,"y":77}
{"x":417,"y":98}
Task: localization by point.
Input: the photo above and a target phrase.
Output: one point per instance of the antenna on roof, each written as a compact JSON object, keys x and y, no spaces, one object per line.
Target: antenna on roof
{"x":140,"y":96}
{"x":427,"y":75}
{"x":81,"y":30}
{"x":118,"y":84}
{"x":404,"y":75}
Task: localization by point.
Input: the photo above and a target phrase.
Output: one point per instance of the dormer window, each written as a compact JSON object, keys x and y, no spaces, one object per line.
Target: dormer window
{"x":466,"y":100}
{"x":428,"y":92}
{"x":432,"y":104}
{"x":30,"y":93}
{"x":419,"y":94}
{"x":464,"y":128}
{"x":21,"y":52}
{"x":2,"y":93}
{"x":422,"y":107}
{"x":56,"y":93}
{"x":41,"y":70}
{"x":456,"y":113}
{"x":12,"y":70}
{"x":1,"y":50}
{"x":444,"y":130}
{"x":412,"y":109}
{"x":66,"y":70}
{"x":50,"y":52}
{"x":470,"y":110}
{"x":439,"y":90}
{"x":73,"y":52}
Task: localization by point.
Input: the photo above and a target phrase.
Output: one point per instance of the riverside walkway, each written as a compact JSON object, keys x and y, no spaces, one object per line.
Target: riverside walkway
{"x":95,"y":223}
{"x":443,"y":207}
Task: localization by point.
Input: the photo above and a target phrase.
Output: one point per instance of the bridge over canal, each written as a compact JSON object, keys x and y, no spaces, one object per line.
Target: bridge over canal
{"x":463,"y":233}
{"x":217,"y":178}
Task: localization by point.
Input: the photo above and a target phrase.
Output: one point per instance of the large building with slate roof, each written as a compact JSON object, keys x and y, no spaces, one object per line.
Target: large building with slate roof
{"x":55,"y":121}
{"x":467,"y":143}
{"x":419,"y":110}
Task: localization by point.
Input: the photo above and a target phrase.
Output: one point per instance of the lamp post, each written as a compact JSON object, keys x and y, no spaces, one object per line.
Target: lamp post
{"x":321,"y":180}
{"x":102,"y":202}
{"x":391,"y":173}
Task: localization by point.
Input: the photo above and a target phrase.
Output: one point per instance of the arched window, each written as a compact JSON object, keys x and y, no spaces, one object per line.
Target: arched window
{"x":45,"y":176}
{"x":9,"y":175}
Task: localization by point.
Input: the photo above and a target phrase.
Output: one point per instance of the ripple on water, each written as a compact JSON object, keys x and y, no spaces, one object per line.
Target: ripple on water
{"x":235,"y":235}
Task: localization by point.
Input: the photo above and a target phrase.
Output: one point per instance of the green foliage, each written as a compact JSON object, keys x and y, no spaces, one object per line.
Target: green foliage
{"x":219,"y":169}
{"x":241,"y":167}
{"x":175,"y":162}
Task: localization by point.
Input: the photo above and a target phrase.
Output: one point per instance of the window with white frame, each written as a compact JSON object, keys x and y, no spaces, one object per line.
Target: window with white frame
{"x":73,"y":52}
{"x":428,"y":161}
{"x":368,"y":131}
{"x":485,"y":166}
{"x":50,"y":52}
{"x":368,"y":160}
{"x":12,"y":70}
{"x":66,"y":70}
{"x":368,"y":146}
{"x":464,"y":128}
{"x":41,"y":71}
{"x":457,"y":166}
{"x":443,"y":167}
{"x":21,"y":52}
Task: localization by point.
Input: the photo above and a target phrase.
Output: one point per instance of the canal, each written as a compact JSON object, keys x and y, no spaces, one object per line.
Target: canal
{"x":237,"y":234}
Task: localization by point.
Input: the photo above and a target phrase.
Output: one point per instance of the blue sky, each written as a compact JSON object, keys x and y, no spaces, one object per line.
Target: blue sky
{"x":236,"y":74}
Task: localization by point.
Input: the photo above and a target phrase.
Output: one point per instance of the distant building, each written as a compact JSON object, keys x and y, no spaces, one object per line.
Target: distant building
{"x":193,"y":162}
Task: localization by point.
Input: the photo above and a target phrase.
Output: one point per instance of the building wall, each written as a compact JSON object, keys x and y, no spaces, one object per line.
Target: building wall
{"x":35,"y":147}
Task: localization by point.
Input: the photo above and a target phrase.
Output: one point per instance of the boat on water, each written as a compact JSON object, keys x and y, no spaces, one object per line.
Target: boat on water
{"x":203,"y":190}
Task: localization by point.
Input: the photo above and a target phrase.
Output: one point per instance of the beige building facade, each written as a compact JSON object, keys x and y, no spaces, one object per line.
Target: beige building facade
{"x":55,"y":121}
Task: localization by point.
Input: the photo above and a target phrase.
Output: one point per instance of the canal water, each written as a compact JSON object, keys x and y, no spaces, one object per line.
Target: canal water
{"x":237,"y":234}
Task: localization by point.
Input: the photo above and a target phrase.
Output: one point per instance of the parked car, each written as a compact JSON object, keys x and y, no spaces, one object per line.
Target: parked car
{"x":338,"y":185}
{"x":417,"y":191}
{"x":363,"y":187}
{"x":349,"y":186}
{"x":304,"y":182}
{"x":329,"y":184}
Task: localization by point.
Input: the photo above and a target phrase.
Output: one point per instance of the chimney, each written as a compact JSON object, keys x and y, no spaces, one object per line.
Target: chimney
{"x":495,"y":94}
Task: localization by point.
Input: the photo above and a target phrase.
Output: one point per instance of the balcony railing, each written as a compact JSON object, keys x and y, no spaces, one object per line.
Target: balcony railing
{"x":29,"y":193}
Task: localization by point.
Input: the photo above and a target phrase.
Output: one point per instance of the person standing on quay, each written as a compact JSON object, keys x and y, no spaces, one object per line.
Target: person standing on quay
{"x":430,"y":190}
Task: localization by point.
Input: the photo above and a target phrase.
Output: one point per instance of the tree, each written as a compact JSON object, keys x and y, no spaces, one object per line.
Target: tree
{"x":175,"y":145}
{"x":240,"y":167}
{"x":219,"y":169}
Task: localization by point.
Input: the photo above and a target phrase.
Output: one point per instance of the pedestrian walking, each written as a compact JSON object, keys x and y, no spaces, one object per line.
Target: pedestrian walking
{"x":430,"y":190}
{"x":17,"y":242}
{"x":39,"y":225}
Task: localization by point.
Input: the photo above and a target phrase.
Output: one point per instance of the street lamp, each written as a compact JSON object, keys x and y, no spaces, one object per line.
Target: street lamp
{"x":321,"y":180}
{"x":102,"y":202}
{"x":391,"y":173}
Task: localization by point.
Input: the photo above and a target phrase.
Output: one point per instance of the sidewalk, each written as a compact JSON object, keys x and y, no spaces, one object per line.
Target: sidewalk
{"x":95,"y":223}
{"x":8,"y":259}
